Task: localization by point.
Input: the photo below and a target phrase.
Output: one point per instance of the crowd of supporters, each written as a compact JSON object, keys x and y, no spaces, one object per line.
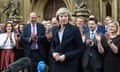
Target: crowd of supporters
{"x":86,"y":46}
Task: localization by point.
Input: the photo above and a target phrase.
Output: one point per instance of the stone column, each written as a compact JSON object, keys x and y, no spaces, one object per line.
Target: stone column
{"x":101,"y":10}
{"x":115,"y":10}
{"x":26,"y":10}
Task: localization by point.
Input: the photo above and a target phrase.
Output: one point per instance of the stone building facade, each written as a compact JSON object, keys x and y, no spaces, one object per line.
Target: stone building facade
{"x":47,"y":8}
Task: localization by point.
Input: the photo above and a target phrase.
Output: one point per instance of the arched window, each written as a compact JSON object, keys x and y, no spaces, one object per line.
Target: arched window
{"x":51,"y":8}
{"x":108,"y":9}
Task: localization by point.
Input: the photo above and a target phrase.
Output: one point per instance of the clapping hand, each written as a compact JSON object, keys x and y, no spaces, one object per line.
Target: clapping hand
{"x":97,"y":37}
{"x":89,"y":41}
{"x":33,"y":36}
{"x":107,"y":35}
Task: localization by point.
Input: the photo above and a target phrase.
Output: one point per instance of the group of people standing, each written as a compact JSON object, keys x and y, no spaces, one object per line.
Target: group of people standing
{"x":11,"y":46}
{"x":101,"y":44}
{"x":64,"y":47}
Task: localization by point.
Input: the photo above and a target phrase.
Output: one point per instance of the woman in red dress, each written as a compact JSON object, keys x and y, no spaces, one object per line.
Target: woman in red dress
{"x":7,"y":44}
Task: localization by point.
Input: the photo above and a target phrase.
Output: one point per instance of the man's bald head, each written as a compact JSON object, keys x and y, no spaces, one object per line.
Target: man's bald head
{"x":33,"y":17}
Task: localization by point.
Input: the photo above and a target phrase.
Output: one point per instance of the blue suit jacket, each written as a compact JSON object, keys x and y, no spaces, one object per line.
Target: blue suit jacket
{"x":41,"y":39}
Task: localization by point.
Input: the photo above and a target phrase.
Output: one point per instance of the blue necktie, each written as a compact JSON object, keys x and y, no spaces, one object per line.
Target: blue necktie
{"x":92,"y":36}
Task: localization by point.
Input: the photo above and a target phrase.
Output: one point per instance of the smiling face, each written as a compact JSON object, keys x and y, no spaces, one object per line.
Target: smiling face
{"x":108,"y":20}
{"x":92,"y":25}
{"x":33,"y":18}
{"x":9,"y":28}
{"x":80,"y":22}
{"x":112,"y":28}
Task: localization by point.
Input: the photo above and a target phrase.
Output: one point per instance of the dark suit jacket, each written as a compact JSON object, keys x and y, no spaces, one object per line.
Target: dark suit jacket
{"x":96,"y":56}
{"x":71,"y":46}
{"x":101,"y":29}
{"x":25,"y":36}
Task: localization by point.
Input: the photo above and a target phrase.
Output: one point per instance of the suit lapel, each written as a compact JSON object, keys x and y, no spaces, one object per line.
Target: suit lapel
{"x":66,"y":31}
{"x":29,"y":28}
{"x":94,"y":36}
{"x":56,"y":35}
{"x":88,"y":35}
{"x":37,"y":26}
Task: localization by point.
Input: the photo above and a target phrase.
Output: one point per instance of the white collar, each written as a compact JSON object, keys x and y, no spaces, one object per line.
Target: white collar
{"x":94,"y":30}
{"x":34,"y":24}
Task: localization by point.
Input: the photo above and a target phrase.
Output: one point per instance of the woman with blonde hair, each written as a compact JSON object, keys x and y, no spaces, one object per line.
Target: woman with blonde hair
{"x":66,"y":45}
{"x":109,"y":46}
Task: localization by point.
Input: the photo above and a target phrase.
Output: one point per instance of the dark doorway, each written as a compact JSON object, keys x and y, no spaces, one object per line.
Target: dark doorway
{"x":51,"y":8}
{"x":108,"y":9}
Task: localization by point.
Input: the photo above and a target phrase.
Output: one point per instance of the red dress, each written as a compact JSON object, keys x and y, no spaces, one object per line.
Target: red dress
{"x":6,"y":53}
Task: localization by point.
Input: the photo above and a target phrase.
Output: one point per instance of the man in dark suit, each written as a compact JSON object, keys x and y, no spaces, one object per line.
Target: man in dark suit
{"x":101,"y":29}
{"x":92,"y":59}
{"x":33,"y":36}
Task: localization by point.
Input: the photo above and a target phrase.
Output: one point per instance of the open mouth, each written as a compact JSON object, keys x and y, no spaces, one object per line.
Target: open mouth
{"x":8,"y":29}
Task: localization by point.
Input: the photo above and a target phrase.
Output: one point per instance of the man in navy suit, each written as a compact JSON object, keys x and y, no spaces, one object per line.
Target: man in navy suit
{"x":33,"y":36}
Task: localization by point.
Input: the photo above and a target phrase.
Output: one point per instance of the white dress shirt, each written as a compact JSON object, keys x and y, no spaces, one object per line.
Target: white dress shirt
{"x":8,"y":44}
{"x":60,"y":34}
{"x":35,"y":28}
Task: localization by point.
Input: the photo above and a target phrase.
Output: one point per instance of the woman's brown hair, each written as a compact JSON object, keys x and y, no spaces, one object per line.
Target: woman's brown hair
{"x":11,"y":26}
